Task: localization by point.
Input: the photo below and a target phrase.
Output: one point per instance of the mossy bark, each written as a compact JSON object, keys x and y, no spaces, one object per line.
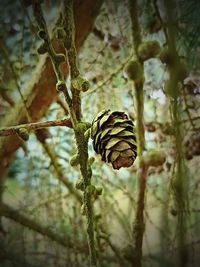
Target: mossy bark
{"x":180,"y":178}
{"x":74,"y":107}
{"x":139,"y":224}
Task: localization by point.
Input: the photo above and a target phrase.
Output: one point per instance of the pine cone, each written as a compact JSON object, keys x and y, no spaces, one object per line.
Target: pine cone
{"x":114,"y":138}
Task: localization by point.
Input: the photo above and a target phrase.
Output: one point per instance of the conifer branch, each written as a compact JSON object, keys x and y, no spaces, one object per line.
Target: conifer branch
{"x":15,"y":215}
{"x":80,"y":84}
{"x":7,"y":58}
{"x":180,"y":179}
{"x":57,"y":59}
{"x":59,"y":173}
{"x":138,"y":225}
{"x":34,"y":126}
{"x":74,"y":106}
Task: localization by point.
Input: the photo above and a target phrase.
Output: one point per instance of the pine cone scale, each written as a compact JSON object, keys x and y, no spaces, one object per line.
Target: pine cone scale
{"x":127,"y":153}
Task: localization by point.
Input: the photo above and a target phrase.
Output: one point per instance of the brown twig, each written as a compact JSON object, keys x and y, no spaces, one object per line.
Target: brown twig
{"x":34,"y":126}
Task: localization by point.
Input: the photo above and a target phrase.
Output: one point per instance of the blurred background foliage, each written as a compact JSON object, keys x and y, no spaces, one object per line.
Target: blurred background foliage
{"x":33,"y":186}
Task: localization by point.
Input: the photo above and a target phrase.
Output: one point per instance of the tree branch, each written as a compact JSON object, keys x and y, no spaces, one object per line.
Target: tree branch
{"x":138,"y":225}
{"x":74,"y":107}
{"x":79,"y":84}
{"x":180,"y":177}
{"x":40,"y":90}
{"x":13,"y":214}
{"x":53,"y":157}
{"x":34,"y":126}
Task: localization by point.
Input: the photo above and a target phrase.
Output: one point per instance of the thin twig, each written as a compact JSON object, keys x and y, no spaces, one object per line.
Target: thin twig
{"x":139,"y":224}
{"x":59,"y":173}
{"x":74,"y":106}
{"x":180,"y":179}
{"x":69,"y":43}
{"x":113,"y":247}
{"x":157,"y":12}
{"x":15,"y":215}
{"x":79,"y":128}
{"x":63,"y":104}
{"x":34,"y":126}
{"x":7,"y":58}
{"x":110,"y":77}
